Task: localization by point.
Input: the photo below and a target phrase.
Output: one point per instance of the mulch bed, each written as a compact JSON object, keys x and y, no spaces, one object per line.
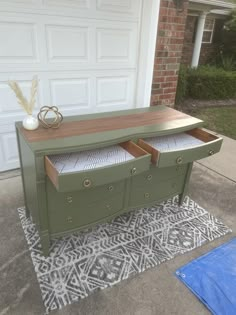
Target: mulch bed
{"x":190,"y":105}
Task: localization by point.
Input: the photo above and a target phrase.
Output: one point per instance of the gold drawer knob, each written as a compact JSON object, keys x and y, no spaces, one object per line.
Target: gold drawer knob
{"x":149,"y":177}
{"x":69,"y":219}
{"x":211,"y":152}
{"x":179,"y":160}
{"x":111,"y":188}
{"x":146,"y":195}
{"x":69,"y":199}
{"x":133,"y":170}
{"x":87,"y":183}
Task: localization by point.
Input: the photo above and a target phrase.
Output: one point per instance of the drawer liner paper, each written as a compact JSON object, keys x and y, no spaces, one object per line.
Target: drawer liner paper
{"x":90,"y":159}
{"x":84,"y":262}
{"x":173,"y":142}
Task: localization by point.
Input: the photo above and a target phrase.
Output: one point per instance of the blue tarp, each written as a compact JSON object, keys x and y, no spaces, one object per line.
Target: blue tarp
{"x":212,"y":278}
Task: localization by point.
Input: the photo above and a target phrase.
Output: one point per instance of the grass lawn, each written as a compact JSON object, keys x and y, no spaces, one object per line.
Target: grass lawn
{"x":218,"y":119}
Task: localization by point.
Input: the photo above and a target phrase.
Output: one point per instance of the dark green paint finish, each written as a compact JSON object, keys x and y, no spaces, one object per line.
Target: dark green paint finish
{"x":115,"y":189}
{"x":189,"y":155}
{"x":80,"y":209}
{"x":42,"y":206}
{"x":155,"y":190}
{"x":76,"y":209}
{"x":108,"y":219}
{"x":103,"y":175}
{"x":186,"y":181}
{"x":27,"y":160}
{"x":45,"y":238}
{"x":158,"y":174}
{"x":22,"y":162}
{"x":102,"y":139}
{"x":40,"y":168}
{"x":64,"y":215}
{"x":93,"y":194}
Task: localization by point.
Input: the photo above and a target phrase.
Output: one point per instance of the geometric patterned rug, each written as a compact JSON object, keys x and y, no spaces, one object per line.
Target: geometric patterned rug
{"x":84,"y":262}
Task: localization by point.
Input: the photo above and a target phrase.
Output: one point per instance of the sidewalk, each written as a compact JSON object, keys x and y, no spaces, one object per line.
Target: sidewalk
{"x":153,"y":292}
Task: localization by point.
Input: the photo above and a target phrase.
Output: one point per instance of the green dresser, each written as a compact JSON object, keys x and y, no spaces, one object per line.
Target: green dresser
{"x":97,"y":166}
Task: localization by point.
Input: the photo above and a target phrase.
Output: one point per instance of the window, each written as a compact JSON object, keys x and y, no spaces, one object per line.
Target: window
{"x":208,"y":30}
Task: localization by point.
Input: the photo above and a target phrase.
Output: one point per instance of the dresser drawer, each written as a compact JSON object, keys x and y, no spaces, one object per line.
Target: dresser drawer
{"x":84,"y":170}
{"x":75,"y":210}
{"x":156,"y":175}
{"x":155,"y":191}
{"x":181,"y":148}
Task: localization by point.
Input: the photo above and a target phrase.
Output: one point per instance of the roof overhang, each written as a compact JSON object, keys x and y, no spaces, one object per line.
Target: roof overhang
{"x":211,"y":6}
{"x":221,"y":12}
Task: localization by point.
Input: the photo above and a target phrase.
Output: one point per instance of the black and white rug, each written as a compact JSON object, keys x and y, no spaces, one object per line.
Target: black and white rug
{"x":102,"y":256}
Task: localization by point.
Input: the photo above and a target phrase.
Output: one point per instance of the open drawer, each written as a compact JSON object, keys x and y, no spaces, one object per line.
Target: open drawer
{"x":181,"y":148}
{"x":86,"y":169}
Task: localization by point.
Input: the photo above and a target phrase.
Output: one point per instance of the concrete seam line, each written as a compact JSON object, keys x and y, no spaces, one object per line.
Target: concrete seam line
{"x":9,"y":177}
{"x":10,"y":261}
{"x":230,"y":179}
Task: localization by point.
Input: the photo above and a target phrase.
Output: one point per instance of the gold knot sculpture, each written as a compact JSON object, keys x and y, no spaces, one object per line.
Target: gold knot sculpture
{"x":47,"y":122}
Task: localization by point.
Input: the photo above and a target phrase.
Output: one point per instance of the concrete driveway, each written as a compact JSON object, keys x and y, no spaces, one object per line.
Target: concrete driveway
{"x":155,"y":291}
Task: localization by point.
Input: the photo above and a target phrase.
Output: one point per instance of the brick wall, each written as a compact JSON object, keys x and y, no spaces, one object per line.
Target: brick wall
{"x":208,"y":51}
{"x":170,"y":38}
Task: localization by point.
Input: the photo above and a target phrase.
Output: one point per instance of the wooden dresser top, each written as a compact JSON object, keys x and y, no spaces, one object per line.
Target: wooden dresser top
{"x":121,"y":122}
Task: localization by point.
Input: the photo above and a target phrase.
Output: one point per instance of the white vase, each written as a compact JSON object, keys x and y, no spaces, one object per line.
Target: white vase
{"x":30,"y":122}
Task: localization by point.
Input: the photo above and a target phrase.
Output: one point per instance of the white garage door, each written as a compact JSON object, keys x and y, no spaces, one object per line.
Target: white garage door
{"x":89,"y":55}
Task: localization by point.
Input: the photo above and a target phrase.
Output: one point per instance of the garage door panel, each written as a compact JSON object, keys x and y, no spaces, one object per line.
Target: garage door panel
{"x":69,"y":90}
{"x":8,"y":101}
{"x":115,"y":91}
{"x":67,"y":43}
{"x":119,"y":6}
{"x":20,"y":42}
{"x":84,"y":52}
{"x":19,"y":1}
{"x":67,"y":93}
{"x":116,"y":45}
{"x":99,"y":9}
{"x":10,"y":147}
{"x":81,"y":4}
{"x":101,"y":91}
{"x":98,"y":43}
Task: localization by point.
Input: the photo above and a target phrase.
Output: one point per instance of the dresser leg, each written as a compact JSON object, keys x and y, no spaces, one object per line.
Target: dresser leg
{"x":181,"y":199}
{"x":27,"y":212}
{"x":45,"y":242}
{"x":186,"y":182}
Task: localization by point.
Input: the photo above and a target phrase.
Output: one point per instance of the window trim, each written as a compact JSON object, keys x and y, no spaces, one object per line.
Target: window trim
{"x":209,"y":31}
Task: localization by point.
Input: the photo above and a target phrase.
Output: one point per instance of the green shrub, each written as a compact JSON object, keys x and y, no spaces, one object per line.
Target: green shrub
{"x":181,"y":92}
{"x":228,"y":40}
{"x":206,"y":83}
{"x":211,"y":83}
{"x":226,"y":62}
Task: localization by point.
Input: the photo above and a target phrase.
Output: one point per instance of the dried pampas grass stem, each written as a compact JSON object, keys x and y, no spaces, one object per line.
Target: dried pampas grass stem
{"x":28,"y":106}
